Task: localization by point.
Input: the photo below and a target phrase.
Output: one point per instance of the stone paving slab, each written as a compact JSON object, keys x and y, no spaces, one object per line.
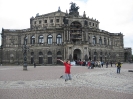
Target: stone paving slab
{"x":44,"y":83}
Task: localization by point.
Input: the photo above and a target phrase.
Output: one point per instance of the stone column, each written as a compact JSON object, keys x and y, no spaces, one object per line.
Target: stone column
{"x":86,"y":36}
{"x":67,"y":34}
{"x":97,"y":39}
{"x":82,"y":36}
{"x":91,"y":41}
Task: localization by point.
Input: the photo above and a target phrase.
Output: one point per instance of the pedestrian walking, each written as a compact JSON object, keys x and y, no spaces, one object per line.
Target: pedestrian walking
{"x":89,"y":64}
{"x":106,"y":64}
{"x":111,"y":63}
{"x":67,"y":69}
{"x":118,"y":67}
{"x":34,"y":65}
{"x":102,"y":63}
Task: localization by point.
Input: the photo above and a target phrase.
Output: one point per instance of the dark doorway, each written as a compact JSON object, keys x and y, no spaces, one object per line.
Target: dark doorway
{"x":32,"y":60}
{"x":89,"y":58}
{"x":49,"y":60}
{"x":75,"y":57}
{"x":59,"y":62}
{"x":101,"y":59}
{"x":77,"y":54}
{"x":40,"y":60}
{"x":94,"y":58}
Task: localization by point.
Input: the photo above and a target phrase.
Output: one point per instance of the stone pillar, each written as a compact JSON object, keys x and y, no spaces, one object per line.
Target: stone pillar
{"x":82,"y":36}
{"x":67,"y":34}
{"x":64,"y":53}
{"x":48,"y":22}
{"x":91,"y":40}
{"x":86,"y":34}
{"x":97,"y":39}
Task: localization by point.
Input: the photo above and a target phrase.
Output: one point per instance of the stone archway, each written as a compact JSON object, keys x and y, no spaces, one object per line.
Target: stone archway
{"x":77,"y":54}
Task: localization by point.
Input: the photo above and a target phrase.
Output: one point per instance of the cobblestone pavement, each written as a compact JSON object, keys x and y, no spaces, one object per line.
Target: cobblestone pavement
{"x":43,"y":82}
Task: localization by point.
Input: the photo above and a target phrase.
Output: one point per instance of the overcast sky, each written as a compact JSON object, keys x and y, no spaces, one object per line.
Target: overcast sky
{"x":115,"y":16}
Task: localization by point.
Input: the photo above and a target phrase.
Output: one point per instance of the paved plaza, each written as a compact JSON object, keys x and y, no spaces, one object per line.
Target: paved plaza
{"x":44,"y":82}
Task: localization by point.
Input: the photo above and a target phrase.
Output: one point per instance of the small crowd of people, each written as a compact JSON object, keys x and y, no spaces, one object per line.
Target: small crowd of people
{"x":91,"y":64}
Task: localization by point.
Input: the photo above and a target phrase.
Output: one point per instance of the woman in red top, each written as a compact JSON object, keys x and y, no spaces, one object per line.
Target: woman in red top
{"x":89,"y":64}
{"x":67,"y":69}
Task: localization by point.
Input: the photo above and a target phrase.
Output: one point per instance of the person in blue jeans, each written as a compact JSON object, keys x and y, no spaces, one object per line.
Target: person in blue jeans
{"x":118,"y":67}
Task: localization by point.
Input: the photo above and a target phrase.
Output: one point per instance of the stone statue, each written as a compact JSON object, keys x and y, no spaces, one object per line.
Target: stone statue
{"x":59,"y":9}
{"x":74,"y":9}
{"x":65,"y":20}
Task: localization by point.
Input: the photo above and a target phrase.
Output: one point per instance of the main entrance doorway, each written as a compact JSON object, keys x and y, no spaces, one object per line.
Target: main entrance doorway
{"x":77,"y":54}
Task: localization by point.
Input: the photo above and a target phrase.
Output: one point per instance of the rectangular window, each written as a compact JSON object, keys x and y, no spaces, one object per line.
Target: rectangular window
{"x":33,"y":41}
{"x":89,"y":23}
{"x":41,"y":41}
{"x":50,"y":41}
{"x":35,"y":22}
{"x":51,"y":21}
{"x":45,"y":21}
{"x":40,"y":22}
{"x":59,"y":40}
{"x":57,"y":20}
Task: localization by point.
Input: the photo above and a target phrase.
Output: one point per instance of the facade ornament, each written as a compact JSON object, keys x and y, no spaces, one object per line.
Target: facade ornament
{"x":74,"y":10}
{"x":59,"y":9}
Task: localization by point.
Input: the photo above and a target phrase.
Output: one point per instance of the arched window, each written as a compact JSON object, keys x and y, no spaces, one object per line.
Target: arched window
{"x":32,"y":53}
{"x":106,"y":54}
{"x":58,"y":39}
{"x":105,"y":41}
{"x":95,"y":56}
{"x":32,"y":40}
{"x":59,"y":53}
{"x":49,"y":39}
{"x":95,"y":53}
{"x":49,"y":53}
{"x":100,"y":41}
{"x":40,"y":57}
{"x":49,"y":56}
{"x":40,"y":53}
{"x":108,"y":41}
{"x":32,"y":57}
{"x":25,"y":40}
{"x":101,"y":53}
{"x":40,"y":39}
{"x":94,"y":40}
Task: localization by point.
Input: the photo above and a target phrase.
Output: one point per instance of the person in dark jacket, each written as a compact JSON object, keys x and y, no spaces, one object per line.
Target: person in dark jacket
{"x":118,"y":67}
{"x":34,"y":65}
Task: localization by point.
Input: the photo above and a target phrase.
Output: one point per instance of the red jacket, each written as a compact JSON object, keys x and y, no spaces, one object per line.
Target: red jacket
{"x":89,"y":63}
{"x":67,"y":67}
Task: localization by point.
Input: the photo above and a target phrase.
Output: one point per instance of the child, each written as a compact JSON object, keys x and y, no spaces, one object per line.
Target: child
{"x":67,"y":69}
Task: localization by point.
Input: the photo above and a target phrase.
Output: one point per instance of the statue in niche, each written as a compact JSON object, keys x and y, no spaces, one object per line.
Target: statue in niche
{"x":85,"y":23}
{"x":65,"y":20}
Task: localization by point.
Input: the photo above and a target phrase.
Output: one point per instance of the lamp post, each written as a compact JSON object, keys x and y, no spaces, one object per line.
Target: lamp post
{"x":1,"y":55}
{"x":1,"y":50}
{"x":25,"y":48}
